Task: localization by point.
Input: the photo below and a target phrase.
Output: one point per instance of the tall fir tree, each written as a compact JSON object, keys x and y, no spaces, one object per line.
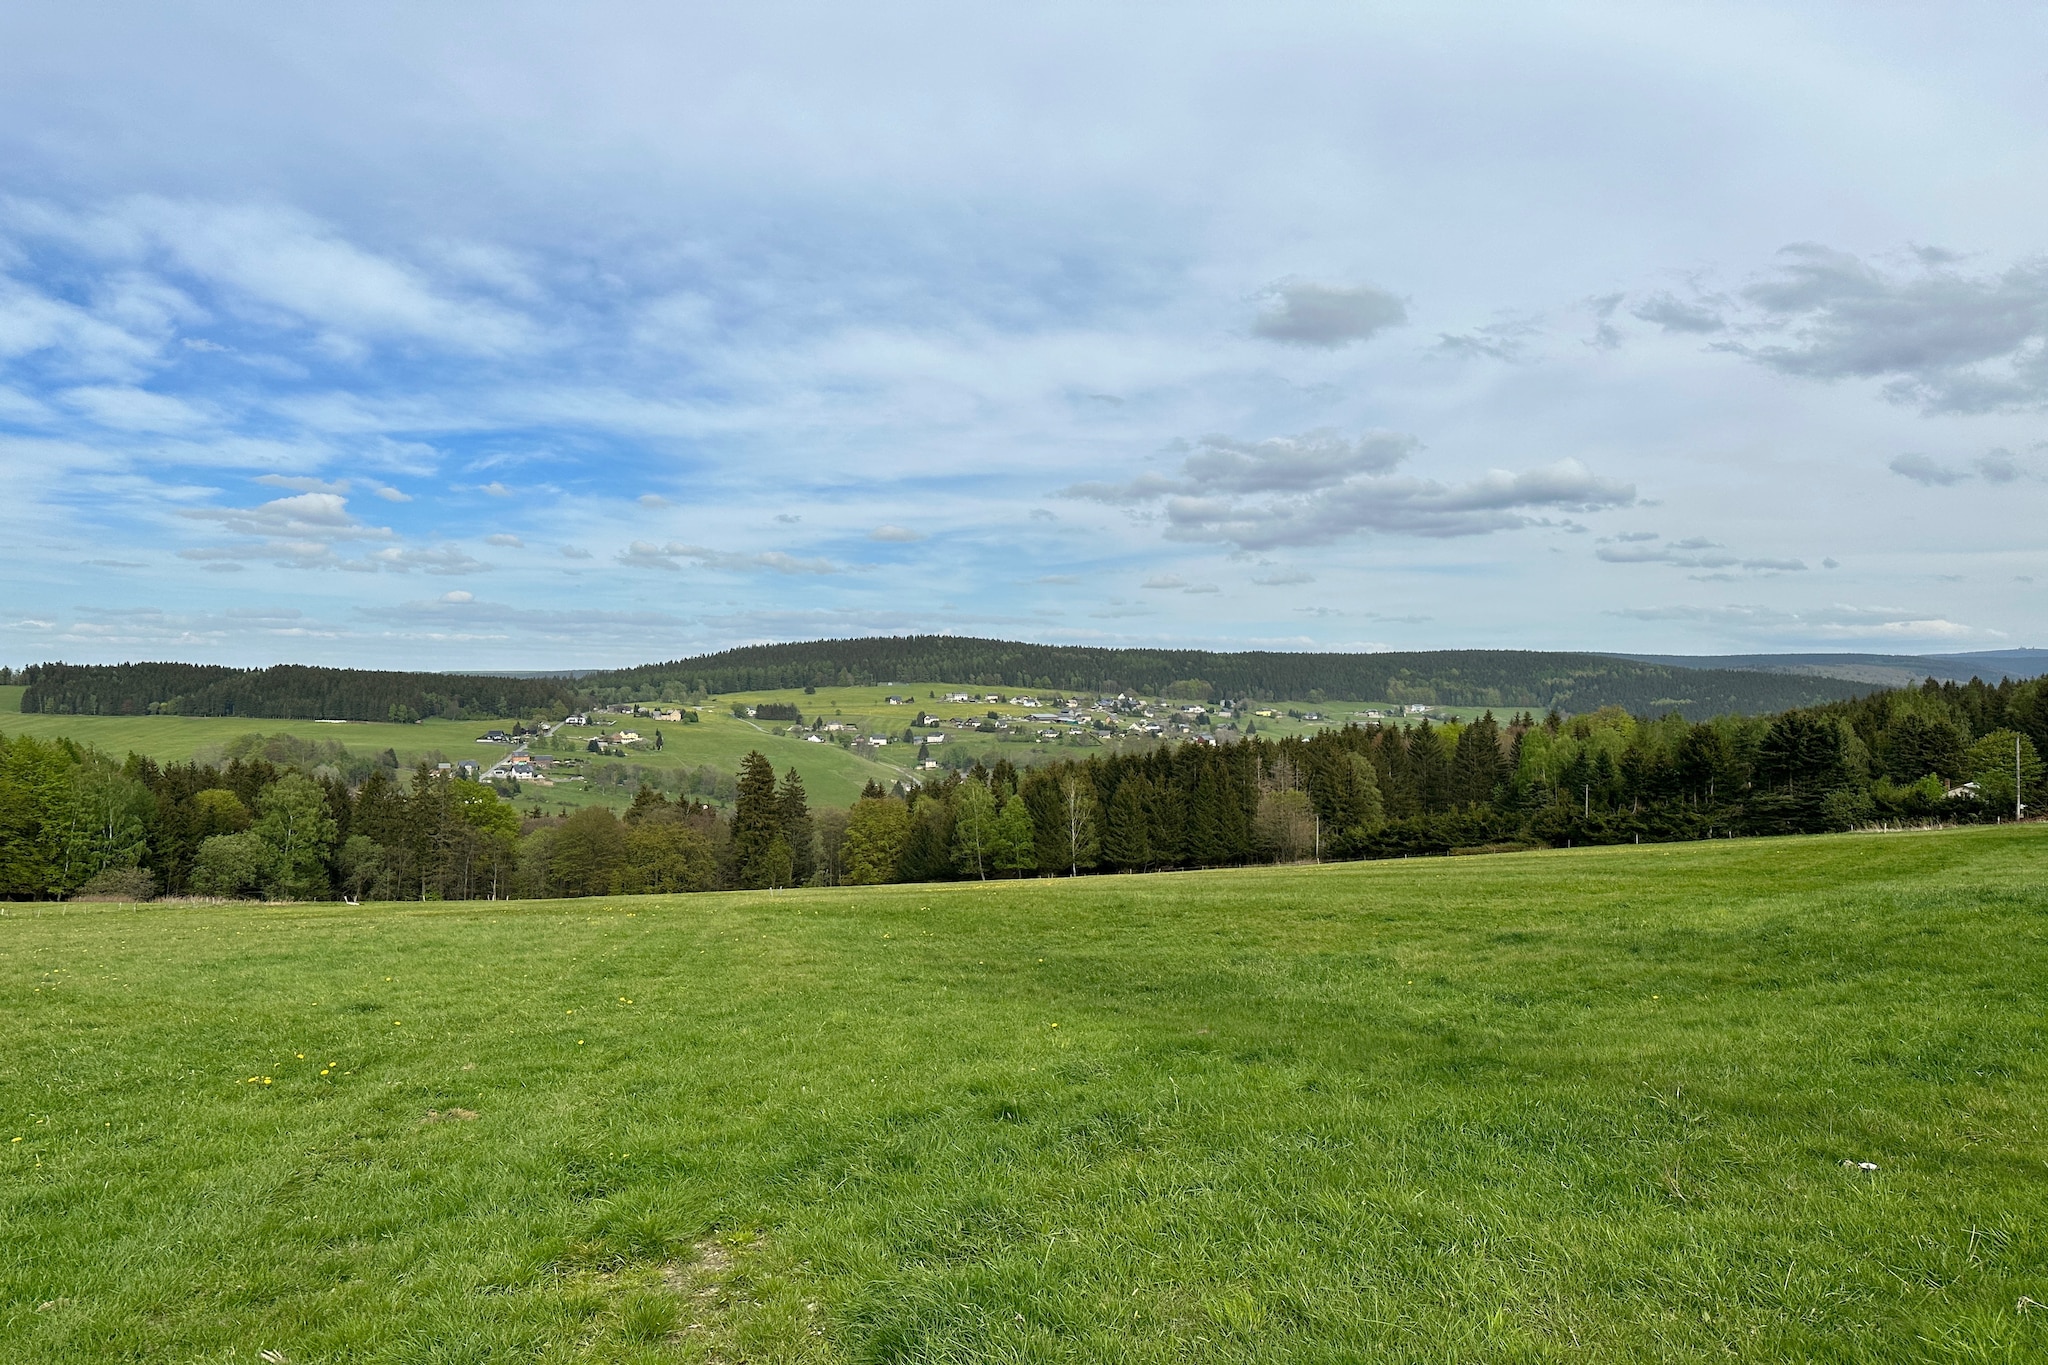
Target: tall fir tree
{"x":756,"y":821}
{"x":793,"y":809}
{"x":1127,"y":836}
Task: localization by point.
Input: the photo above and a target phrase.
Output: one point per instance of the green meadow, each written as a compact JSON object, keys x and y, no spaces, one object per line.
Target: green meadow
{"x":1569,"y":1106}
{"x":832,"y":775}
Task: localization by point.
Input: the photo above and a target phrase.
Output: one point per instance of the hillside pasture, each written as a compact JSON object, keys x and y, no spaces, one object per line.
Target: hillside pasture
{"x":1595,"y":1105}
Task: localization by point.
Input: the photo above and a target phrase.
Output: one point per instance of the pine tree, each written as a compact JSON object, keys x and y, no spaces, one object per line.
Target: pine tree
{"x":1476,"y":766}
{"x":647,"y":803}
{"x":1127,"y":840}
{"x":756,"y":821}
{"x":793,"y":809}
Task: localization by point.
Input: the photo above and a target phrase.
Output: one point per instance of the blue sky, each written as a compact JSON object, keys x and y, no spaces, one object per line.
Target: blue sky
{"x":522,"y":336}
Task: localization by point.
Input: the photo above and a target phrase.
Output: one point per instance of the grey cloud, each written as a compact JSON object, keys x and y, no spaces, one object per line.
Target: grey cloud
{"x":1314,"y":460}
{"x":645,"y":555}
{"x":1662,"y":554}
{"x":574,"y":552}
{"x":895,"y":534}
{"x":1694,"y":552}
{"x":1501,"y":340}
{"x":1301,"y":313}
{"x":1676,"y":315}
{"x":510,"y":542}
{"x":653,"y":500}
{"x":1922,"y":470}
{"x":1219,"y":464}
{"x":1164,"y":582}
{"x":1940,"y":339}
{"x":1498,"y":501}
{"x":1317,"y":488}
{"x":1999,"y":466}
{"x":1285,"y":578}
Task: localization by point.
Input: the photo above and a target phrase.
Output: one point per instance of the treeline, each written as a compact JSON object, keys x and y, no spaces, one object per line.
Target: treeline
{"x":285,"y":692}
{"x":1496,"y":678}
{"x":74,"y":821}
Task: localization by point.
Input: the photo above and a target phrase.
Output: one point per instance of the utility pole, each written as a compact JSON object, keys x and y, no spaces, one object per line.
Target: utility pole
{"x":2016,"y":806}
{"x":1589,"y":800}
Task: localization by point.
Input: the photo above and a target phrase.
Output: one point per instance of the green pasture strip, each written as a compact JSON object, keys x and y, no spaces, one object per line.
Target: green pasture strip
{"x":1574,"y":1106}
{"x":832,"y":775}
{"x":175,"y":739}
{"x":10,"y":700}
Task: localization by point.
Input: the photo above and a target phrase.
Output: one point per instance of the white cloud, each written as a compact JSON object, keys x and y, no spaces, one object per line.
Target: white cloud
{"x":281,"y":259}
{"x":896,"y":534}
{"x":506,"y":539}
{"x":125,"y":408}
{"x":642,"y":554}
{"x":305,"y":516}
{"x":1839,"y":623}
{"x":302,"y":484}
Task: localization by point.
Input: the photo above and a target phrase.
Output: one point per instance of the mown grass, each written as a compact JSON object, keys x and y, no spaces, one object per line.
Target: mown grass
{"x":1573,"y":1106}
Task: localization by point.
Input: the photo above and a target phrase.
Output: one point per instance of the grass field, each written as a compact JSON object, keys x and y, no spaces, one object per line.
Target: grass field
{"x":1574,"y":1106}
{"x":832,"y":775}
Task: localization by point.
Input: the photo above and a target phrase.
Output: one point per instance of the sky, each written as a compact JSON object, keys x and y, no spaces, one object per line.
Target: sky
{"x":529,"y":336}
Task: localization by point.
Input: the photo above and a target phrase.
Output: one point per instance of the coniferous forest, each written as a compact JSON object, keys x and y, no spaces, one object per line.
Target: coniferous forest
{"x":1504,"y":679}
{"x":77,"y":821}
{"x":285,"y":692}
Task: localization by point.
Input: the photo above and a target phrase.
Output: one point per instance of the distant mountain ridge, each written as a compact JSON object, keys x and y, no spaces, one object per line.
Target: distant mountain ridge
{"x":1504,"y":679}
{"x":1881,"y":670}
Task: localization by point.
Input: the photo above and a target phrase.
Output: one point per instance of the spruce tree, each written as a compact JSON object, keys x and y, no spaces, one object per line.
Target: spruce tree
{"x":756,"y":820}
{"x":793,"y":808}
{"x":1127,"y":840}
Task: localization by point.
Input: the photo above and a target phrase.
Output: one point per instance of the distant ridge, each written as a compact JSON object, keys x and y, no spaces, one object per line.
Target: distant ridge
{"x":1880,"y":670}
{"x":1505,"y":679}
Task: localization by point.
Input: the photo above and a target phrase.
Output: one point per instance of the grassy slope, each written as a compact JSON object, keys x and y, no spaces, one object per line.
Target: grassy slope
{"x":832,"y":776}
{"x":1565,"y":1106}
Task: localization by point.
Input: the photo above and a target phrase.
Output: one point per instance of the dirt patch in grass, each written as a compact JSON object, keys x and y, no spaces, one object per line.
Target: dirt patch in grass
{"x":451,"y":1116}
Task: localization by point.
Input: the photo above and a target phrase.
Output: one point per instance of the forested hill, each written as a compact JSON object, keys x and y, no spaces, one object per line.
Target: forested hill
{"x":1479,"y":677}
{"x":286,"y":692}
